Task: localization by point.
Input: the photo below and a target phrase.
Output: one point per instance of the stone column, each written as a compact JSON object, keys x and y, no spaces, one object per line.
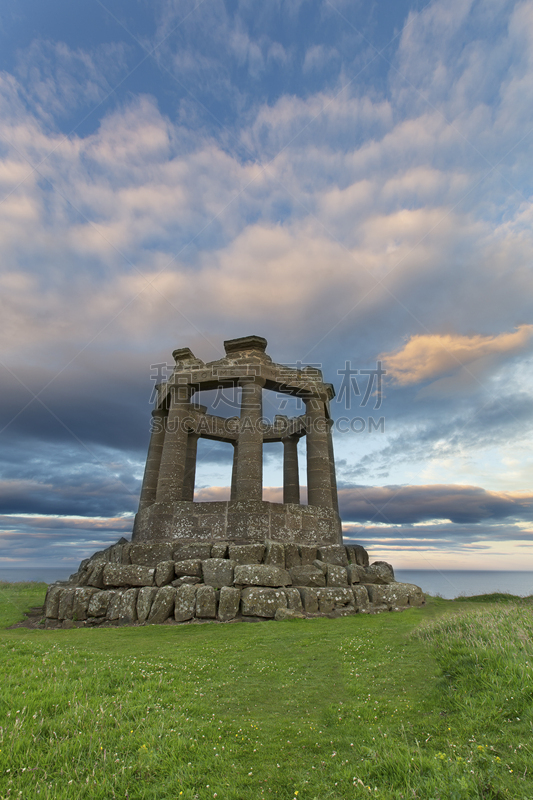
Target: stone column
{"x":333,"y":477}
{"x":249,"y":483}
{"x":190,"y":467}
{"x":318,"y":467}
{"x":291,"y":478}
{"x":233,"y":495}
{"x":173,"y":459}
{"x":153,"y":459}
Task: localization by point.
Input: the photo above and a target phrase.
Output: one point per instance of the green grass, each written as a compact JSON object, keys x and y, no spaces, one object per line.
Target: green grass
{"x":433,"y":703}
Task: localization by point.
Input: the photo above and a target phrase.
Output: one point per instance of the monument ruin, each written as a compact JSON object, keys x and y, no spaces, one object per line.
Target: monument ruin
{"x":244,"y":558}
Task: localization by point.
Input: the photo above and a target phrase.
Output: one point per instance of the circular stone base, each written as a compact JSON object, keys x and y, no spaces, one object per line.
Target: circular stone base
{"x":181,"y":581}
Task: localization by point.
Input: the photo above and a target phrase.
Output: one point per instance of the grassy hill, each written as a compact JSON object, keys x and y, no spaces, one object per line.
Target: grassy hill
{"x":433,"y":703}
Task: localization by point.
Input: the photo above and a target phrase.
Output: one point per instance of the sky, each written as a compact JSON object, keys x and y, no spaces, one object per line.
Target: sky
{"x":350,"y":179}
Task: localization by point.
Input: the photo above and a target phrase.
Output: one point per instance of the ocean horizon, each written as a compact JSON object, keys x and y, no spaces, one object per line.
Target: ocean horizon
{"x":448,"y":584}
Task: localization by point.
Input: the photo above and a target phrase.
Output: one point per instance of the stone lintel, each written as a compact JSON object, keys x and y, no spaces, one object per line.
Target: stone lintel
{"x":183,"y":354}
{"x":245,"y":343}
{"x":220,"y":374}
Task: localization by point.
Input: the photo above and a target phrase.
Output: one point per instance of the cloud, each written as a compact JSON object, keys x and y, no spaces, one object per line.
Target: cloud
{"x":58,"y":542}
{"x":67,"y":478}
{"x":415,"y":504}
{"x":427,"y":356}
{"x":58,"y":80}
{"x":339,"y":218}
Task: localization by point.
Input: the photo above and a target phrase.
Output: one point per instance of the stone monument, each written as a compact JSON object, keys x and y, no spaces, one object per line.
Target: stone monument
{"x":244,"y":558}
{"x":166,"y":508}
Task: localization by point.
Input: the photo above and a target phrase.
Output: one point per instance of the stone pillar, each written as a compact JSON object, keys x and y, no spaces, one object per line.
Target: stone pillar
{"x":233,"y":495}
{"x":190,"y":467}
{"x":291,"y":478}
{"x":153,"y":459}
{"x":173,"y":460}
{"x":249,"y":483}
{"x":333,"y":477}
{"x":318,"y":466}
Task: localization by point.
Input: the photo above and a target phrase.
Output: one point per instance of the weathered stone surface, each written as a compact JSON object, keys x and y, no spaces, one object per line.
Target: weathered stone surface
{"x":396,"y":594}
{"x":343,"y":611}
{"x":192,"y":550}
{"x":127,"y":612}
{"x":260,"y":602}
{"x":378,"y":608}
{"x":191,"y":566}
{"x":218,"y":571}
{"x":361,"y":598}
{"x":357,"y":555}
{"x":51,"y":603}
{"x":246,"y":553}
{"x":80,"y":604}
{"x":149,"y":554}
{"x":114,"y":554}
{"x":292,"y":556}
{"x":287,"y":613}
{"x":99,"y":604}
{"x":145,"y":598}
{"x":95,"y":575}
{"x":309,"y":599}
{"x":164,"y":573}
{"x":162,"y":605}
{"x":66,"y":601}
{"x":185,"y":603}
{"x":129,"y":575}
{"x":332,"y":598}
{"x":115,"y":599}
{"x":228,"y":605}
{"x":333,"y":554}
{"x":320,"y":565}
{"x":206,"y":606}
{"x":307,"y":576}
{"x":294,"y":601}
{"x":100,"y":555}
{"x":260,"y":575}
{"x":416,"y":595}
{"x":120,"y":553}
{"x":219,"y":550}
{"x":381,"y":572}
{"x":392,"y":595}
{"x":84,"y":564}
{"x":192,"y":579}
{"x":356,"y":573}
{"x":336,"y":576}
{"x":307,"y":554}
{"x":81,"y":577}
{"x":275,"y":554}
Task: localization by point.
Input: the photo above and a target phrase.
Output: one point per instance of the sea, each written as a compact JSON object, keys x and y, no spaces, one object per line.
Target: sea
{"x":443,"y":583}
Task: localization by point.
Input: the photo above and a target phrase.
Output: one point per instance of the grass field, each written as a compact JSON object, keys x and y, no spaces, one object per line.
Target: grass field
{"x":433,"y":703}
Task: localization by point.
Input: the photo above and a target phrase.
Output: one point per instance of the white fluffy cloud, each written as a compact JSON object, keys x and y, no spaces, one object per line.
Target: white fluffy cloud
{"x":341,"y":222}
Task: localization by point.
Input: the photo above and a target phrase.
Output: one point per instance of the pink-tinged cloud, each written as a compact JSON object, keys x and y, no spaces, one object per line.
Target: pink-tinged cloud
{"x":427,"y":357}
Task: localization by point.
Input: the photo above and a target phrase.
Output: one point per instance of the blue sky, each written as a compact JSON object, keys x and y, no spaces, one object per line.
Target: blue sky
{"x":351,"y":180}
